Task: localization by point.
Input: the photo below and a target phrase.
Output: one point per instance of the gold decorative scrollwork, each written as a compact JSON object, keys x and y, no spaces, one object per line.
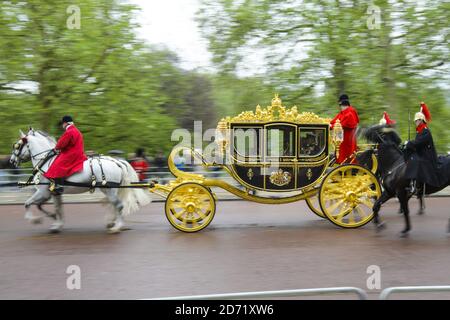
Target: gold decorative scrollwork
{"x":309,"y":173}
{"x":280,"y":178}
{"x":277,"y":112}
{"x":250,"y":174}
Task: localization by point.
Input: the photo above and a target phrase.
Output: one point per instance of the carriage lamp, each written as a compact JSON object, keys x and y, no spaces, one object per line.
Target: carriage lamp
{"x":222,"y":136}
{"x":338,"y":136}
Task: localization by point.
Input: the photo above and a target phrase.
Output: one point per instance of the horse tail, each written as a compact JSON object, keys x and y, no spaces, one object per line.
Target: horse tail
{"x":132,"y":199}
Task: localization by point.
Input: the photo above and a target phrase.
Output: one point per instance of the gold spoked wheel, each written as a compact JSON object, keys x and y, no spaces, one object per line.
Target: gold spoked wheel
{"x":347,"y":195}
{"x":190,"y":207}
{"x":314,"y":204}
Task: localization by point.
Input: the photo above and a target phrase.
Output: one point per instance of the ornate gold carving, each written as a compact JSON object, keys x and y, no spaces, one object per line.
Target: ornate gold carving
{"x":277,"y":112}
{"x":280,"y":178}
{"x":250,"y":174}
{"x":309,"y":174}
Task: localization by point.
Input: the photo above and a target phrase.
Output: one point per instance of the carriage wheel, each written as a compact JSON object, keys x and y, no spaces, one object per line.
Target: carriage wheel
{"x":190,"y":207}
{"x":347,"y":195}
{"x":314,"y":204}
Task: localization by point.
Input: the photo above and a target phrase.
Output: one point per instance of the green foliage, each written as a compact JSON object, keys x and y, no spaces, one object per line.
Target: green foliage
{"x":121,"y":93}
{"x":315,"y":50}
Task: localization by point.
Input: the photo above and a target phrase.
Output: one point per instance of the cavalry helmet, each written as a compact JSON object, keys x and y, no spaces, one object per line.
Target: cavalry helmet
{"x":424,"y":114}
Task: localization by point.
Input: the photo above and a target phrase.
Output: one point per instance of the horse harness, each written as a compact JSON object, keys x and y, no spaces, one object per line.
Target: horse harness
{"x":93,"y":177}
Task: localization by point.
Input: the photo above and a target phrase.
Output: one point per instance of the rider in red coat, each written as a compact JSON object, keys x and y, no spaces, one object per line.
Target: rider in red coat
{"x":349,"y":120}
{"x":71,"y":154}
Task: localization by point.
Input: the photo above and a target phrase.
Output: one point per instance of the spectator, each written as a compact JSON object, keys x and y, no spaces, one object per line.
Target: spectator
{"x":140,"y":164}
{"x":160,"y":160}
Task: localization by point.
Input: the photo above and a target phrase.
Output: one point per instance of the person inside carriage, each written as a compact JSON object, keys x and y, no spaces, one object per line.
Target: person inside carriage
{"x":71,"y":156}
{"x":420,"y":154}
{"x":349,"y":120}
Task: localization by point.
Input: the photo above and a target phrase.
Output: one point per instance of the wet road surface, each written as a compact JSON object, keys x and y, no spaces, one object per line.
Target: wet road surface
{"x":247,"y":247}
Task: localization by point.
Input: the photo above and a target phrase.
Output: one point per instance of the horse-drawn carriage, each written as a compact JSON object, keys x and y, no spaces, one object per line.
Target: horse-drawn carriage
{"x":270,"y":152}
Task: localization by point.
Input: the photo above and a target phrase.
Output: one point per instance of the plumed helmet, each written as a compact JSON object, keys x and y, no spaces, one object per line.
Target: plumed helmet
{"x":386,"y":120}
{"x":66,"y":119}
{"x":424,"y":113}
{"x":420,"y":116}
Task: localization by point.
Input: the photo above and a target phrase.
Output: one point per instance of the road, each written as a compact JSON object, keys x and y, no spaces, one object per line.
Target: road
{"x":247,"y":247}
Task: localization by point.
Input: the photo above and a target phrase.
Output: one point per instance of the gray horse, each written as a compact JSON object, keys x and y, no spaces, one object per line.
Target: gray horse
{"x":35,"y":145}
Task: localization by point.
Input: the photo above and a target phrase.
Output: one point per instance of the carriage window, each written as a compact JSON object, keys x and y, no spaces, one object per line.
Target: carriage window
{"x":246,"y":142}
{"x":312,"y":142}
{"x":281,"y":142}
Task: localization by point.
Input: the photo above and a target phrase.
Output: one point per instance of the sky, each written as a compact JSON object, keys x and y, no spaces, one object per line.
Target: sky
{"x":171,"y":22}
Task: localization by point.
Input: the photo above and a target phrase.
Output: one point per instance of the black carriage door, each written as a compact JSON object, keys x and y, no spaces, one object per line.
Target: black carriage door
{"x":247,"y":155}
{"x":280,"y":156}
{"x":312,"y":153}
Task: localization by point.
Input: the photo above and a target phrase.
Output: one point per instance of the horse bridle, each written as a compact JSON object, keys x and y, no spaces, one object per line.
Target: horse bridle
{"x":18,"y":147}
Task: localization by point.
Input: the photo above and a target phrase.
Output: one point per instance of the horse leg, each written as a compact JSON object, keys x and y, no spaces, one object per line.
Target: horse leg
{"x":38,"y":198}
{"x":57,"y":226}
{"x":385,"y":196}
{"x":117,"y":223}
{"x":422,"y":205}
{"x":48,"y":213}
{"x":403,"y":198}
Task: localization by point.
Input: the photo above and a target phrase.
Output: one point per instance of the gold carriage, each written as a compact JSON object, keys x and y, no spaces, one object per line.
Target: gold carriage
{"x":277,"y":155}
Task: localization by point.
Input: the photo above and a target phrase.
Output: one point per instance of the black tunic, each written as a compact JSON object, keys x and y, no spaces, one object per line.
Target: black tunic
{"x":422,"y":160}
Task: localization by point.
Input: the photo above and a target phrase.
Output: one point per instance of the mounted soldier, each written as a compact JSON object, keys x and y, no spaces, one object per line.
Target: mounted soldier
{"x":421,"y":156}
{"x":349,"y":120}
{"x":71,"y":156}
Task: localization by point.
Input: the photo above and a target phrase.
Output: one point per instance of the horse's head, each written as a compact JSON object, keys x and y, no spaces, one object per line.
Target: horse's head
{"x":387,"y":141}
{"x":21,"y":150}
{"x":382,"y":135}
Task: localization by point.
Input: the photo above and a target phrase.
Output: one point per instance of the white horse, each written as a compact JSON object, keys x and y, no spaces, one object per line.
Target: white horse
{"x":35,"y":145}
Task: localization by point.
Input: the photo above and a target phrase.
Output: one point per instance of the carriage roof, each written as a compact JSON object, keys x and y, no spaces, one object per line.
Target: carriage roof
{"x":276,"y":112}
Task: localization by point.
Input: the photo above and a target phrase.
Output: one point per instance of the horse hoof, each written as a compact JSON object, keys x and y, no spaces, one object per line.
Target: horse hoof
{"x":420,"y":212}
{"x":55,"y":230}
{"x":36,"y":221}
{"x":380,"y":226}
{"x":110,"y":225}
{"x":114,"y":230}
{"x":404,"y":234}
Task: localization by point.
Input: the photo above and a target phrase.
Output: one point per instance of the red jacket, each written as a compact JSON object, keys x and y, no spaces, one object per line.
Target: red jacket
{"x":71,"y":157}
{"x":349,"y":120}
{"x":140,"y":166}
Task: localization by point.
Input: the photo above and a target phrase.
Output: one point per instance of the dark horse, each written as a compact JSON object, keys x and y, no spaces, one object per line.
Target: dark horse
{"x":392,"y":169}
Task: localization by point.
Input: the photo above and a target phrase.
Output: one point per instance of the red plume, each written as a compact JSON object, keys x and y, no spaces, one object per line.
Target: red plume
{"x":426,"y":112}
{"x":388,"y":119}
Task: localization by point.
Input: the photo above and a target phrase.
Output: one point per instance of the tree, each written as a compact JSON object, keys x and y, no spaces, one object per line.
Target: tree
{"x":315,"y":50}
{"x":100,"y":73}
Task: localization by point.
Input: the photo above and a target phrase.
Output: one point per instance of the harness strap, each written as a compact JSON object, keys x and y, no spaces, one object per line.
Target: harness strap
{"x":93,"y":178}
{"x":400,"y":165}
{"x":101,"y":168}
{"x":38,"y":168}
